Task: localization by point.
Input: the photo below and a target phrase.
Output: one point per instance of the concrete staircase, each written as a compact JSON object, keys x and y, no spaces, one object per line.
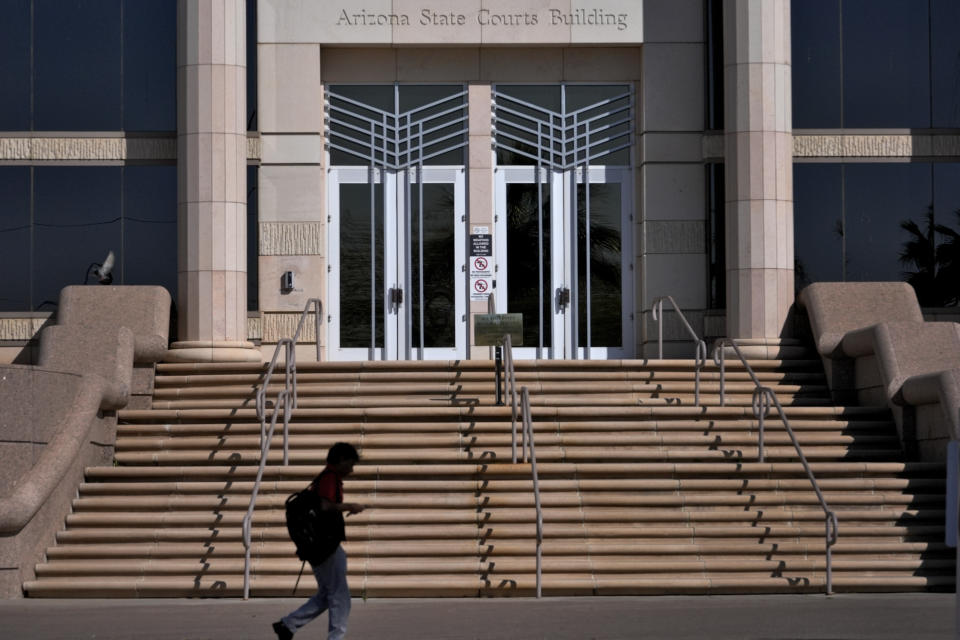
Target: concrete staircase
{"x":643,"y":492}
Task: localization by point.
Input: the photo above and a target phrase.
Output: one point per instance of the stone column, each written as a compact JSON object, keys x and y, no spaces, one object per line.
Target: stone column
{"x":759,"y":168}
{"x":211,"y":183}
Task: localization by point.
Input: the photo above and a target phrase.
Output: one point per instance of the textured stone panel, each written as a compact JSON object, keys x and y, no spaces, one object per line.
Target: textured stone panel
{"x":254,"y":148}
{"x":291,"y":239}
{"x":100,"y":149}
{"x":254,"y":328}
{"x":875,"y":145}
{"x":284,"y":325}
{"x":22,"y":328}
{"x":676,"y":236}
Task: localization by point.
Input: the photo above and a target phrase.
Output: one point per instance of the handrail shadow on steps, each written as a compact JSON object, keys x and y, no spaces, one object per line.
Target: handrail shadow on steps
{"x":287,"y":399}
{"x":763,"y":399}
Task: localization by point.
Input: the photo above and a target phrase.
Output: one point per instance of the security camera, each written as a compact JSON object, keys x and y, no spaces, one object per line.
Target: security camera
{"x":103,"y":271}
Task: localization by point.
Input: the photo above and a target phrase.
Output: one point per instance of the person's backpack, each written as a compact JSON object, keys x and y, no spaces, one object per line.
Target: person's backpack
{"x":315,"y":532}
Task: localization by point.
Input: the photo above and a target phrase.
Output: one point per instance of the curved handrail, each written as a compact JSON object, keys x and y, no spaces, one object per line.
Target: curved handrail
{"x":285,"y":400}
{"x":288,"y":398}
{"x":289,"y":345}
{"x":528,"y":431}
{"x":700,"y":350}
{"x":763,"y":399}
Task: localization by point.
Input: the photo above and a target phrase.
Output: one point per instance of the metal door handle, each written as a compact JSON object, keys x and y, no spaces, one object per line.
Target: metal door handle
{"x":563,"y":296}
{"x":396,"y":296}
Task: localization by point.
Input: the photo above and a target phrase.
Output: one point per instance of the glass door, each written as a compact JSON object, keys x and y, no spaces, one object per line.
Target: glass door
{"x":570,"y":280}
{"x":396,"y":277}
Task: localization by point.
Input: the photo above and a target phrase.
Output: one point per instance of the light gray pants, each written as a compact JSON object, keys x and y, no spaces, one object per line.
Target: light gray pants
{"x":332,"y":593}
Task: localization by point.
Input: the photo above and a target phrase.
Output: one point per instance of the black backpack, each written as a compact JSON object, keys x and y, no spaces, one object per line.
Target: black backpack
{"x":315,"y":532}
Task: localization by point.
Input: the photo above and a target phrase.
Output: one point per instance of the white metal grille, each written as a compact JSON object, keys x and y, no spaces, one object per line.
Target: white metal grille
{"x":562,"y":139}
{"x":395,"y":139}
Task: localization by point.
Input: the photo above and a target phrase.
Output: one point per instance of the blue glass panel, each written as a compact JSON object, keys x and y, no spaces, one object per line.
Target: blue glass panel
{"x":878,"y":198}
{"x":815,"y":40}
{"x":15,"y":69}
{"x":886,"y":64}
{"x":77,"y":65}
{"x":945,"y":52}
{"x":252,"y":65}
{"x":15,"y":238}
{"x":946,"y":206}
{"x":817,"y":223}
{"x":150,"y":226}
{"x":149,"y":65}
{"x":77,"y":221}
{"x":253,"y":240}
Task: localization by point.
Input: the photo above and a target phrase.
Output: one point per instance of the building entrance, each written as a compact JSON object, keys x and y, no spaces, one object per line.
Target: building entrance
{"x":564,"y":209}
{"x":395,"y":197}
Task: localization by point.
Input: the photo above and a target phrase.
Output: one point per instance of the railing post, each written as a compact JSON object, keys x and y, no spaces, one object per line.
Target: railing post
{"x":658,"y":317}
{"x":318,"y":320}
{"x":699,"y":361}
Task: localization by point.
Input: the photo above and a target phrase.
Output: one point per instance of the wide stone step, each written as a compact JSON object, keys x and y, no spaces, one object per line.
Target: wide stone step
{"x":521,"y":547}
{"x":359,"y":566}
{"x":545,"y":454}
{"x":812,"y":379}
{"x":484,"y":387}
{"x":619,"y":399}
{"x":379,"y":500}
{"x":650,"y":486}
{"x":774,"y":533}
{"x":774,"y":436}
{"x":434,"y":585}
{"x":474,"y":413}
{"x":370,"y":427}
{"x":495,"y":470}
{"x":582,"y":368}
{"x":495,"y":516}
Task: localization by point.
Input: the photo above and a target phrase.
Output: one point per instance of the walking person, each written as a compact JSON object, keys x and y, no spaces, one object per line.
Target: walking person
{"x":331,"y":574}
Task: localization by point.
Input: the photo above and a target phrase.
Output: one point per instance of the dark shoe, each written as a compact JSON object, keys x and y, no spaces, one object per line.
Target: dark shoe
{"x":281,"y":630}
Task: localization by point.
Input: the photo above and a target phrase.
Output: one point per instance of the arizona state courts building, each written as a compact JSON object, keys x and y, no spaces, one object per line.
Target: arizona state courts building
{"x":402,"y":160}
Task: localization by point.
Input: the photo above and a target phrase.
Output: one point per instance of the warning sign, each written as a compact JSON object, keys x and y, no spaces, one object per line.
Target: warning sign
{"x":480,"y":289}
{"x":481,"y":244}
{"x":480,"y":267}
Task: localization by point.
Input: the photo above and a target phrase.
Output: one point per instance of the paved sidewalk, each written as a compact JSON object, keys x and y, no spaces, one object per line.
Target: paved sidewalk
{"x":811,"y":617}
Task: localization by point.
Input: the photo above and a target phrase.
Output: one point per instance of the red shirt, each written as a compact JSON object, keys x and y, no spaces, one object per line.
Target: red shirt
{"x":330,"y":486}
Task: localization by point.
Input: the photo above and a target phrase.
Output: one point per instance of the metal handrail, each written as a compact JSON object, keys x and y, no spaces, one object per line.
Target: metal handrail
{"x":528,"y":435}
{"x":526,"y":440}
{"x":286,"y":398}
{"x":289,"y":346}
{"x":700,"y":352}
{"x":763,"y":399}
{"x":511,"y":376}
